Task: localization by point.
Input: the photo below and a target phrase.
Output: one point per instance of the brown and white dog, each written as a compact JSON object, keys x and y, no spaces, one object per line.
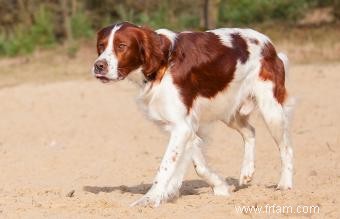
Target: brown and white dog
{"x":189,"y":80}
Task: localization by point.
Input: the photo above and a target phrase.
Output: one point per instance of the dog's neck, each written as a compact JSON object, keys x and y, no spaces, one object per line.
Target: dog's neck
{"x":137,"y":77}
{"x":167,"y":39}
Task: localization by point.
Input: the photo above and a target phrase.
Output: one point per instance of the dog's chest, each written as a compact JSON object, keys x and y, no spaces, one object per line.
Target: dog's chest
{"x":161,"y":102}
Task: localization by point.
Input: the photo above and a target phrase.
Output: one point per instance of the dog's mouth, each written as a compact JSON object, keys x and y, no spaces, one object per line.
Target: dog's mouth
{"x":105,"y":79}
{"x":102,"y":78}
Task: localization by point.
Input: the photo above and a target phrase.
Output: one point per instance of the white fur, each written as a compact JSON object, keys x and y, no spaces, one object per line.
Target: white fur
{"x":137,"y":77}
{"x":162,"y":103}
{"x":169,"y":34}
{"x":285,"y":61}
{"x":247,"y":34}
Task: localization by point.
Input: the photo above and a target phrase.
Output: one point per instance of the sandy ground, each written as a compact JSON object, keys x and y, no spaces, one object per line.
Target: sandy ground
{"x":87,"y":140}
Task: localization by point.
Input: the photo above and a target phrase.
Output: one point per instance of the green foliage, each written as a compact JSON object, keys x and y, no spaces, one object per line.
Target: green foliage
{"x":81,"y":25}
{"x":161,"y":15}
{"x":250,"y":11}
{"x":124,"y":13}
{"x":40,"y":23}
{"x":156,"y":19}
{"x":41,"y":32}
{"x":24,"y":40}
{"x":188,"y":21}
{"x":18,"y":43}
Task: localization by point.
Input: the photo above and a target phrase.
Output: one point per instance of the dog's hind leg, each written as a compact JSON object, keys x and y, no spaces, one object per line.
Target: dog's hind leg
{"x":241,"y":124}
{"x":275,"y":106}
{"x":276,"y":117}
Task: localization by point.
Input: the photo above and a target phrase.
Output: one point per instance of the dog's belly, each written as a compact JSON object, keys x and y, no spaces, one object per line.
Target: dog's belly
{"x":163,"y":104}
{"x":224,"y":105}
{"x":219,"y":108}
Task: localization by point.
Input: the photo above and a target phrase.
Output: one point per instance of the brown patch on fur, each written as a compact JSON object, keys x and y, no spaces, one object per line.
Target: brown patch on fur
{"x":165,"y":47}
{"x":128,"y":58}
{"x":160,"y":73}
{"x":203,"y":66}
{"x":102,"y":38}
{"x":174,"y":158}
{"x":151,"y":51}
{"x":273,"y":69}
{"x":254,"y":41}
{"x":240,"y":47}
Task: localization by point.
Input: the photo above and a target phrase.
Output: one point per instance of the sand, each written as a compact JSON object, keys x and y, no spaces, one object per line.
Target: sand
{"x":80,"y":149}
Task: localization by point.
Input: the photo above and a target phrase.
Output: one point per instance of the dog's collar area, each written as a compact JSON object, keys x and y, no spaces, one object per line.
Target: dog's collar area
{"x":155,"y":76}
{"x":150,"y":77}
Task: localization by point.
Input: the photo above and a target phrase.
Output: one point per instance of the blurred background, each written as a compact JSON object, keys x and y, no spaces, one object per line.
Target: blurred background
{"x":30,"y":24}
{"x":27,"y":25}
{"x":37,"y":33}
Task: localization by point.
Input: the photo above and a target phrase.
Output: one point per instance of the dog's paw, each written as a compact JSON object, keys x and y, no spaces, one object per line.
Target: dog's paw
{"x":147,"y":201}
{"x":222,"y":190}
{"x":286,"y":181}
{"x":153,"y":198}
{"x":247,"y":173}
{"x":284,"y":185}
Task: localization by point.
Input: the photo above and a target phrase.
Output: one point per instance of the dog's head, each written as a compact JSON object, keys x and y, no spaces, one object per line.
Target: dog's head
{"x":123,"y":48}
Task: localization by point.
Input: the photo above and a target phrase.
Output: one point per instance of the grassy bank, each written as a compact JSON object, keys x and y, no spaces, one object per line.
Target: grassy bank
{"x":29,"y":25}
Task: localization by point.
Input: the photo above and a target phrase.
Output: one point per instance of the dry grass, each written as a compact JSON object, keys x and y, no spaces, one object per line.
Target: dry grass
{"x":47,"y":66}
{"x":307,"y":44}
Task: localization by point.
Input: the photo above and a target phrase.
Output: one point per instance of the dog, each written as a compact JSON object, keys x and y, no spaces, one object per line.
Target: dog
{"x":189,"y":80}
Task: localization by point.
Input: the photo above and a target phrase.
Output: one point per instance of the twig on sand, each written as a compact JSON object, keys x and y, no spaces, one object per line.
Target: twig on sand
{"x":70,"y":194}
{"x":329,"y":147}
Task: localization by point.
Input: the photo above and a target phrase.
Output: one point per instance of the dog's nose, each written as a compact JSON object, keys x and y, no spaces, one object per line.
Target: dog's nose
{"x":100,"y":67}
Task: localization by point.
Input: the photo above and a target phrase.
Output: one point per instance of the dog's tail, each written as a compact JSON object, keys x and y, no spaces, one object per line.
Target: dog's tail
{"x":285,"y":61}
{"x":290,"y":102}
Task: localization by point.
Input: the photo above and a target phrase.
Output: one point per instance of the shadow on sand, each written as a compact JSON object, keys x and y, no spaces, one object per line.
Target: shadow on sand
{"x":189,"y":187}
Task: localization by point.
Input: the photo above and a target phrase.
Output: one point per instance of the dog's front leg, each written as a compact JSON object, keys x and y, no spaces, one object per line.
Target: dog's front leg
{"x":171,"y":171}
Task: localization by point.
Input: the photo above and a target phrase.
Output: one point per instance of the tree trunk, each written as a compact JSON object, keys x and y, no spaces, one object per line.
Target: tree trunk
{"x":67,"y":21}
{"x":210,"y":13}
{"x":24,"y":14}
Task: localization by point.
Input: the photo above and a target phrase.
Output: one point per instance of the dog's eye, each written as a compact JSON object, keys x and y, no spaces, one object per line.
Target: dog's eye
{"x":101,"y":47}
{"x":122,"y":46}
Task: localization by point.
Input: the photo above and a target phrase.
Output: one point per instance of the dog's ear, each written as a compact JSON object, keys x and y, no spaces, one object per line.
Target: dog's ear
{"x":151,"y":52}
